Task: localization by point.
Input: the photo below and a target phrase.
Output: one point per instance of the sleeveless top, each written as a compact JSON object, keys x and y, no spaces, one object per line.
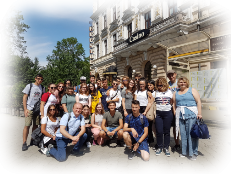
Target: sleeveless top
{"x":98,"y":119}
{"x":187,"y":100}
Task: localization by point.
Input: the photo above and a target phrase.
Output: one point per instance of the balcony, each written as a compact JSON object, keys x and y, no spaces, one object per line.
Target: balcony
{"x":96,"y":38}
{"x":104,"y":32}
{"x":177,"y":18}
{"x":120,"y":46}
{"x":114,"y":25}
{"x":103,"y":60}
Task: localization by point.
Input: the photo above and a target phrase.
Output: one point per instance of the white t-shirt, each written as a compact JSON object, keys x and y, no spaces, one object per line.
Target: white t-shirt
{"x":142,"y":97}
{"x":51,"y":101}
{"x":84,"y":99}
{"x":50,"y":127}
{"x":35,"y":95}
{"x":98,"y":119}
{"x":163,"y":100}
{"x":111,"y":97}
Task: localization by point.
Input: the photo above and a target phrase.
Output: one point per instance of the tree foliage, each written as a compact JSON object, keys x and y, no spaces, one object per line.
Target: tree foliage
{"x":67,"y":62}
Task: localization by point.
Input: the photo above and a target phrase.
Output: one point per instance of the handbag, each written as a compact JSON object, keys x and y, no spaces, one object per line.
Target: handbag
{"x":151,"y":114}
{"x":199,"y":130}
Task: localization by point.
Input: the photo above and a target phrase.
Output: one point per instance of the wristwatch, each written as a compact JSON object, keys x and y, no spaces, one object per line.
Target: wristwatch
{"x":139,"y":143}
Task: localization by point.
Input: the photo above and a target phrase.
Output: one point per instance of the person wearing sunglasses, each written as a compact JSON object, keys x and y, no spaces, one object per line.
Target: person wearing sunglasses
{"x":32,"y":94}
{"x":49,"y":126}
{"x":59,"y":92}
{"x":48,"y":99}
{"x":115,"y":95}
{"x":124,"y":84}
{"x":164,"y":115}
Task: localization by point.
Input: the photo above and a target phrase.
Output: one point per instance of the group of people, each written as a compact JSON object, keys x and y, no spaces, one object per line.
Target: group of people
{"x":95,"y":113}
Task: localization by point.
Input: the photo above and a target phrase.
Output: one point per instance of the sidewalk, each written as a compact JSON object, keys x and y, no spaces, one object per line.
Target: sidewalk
{"x":213,"y":153}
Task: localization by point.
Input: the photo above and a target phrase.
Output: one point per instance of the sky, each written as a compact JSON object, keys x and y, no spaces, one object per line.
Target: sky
{"x":51,"y":21}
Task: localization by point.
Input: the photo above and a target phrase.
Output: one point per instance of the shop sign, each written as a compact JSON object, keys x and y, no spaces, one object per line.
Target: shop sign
{"x":138,"y":36}
{"x":220,"y":43}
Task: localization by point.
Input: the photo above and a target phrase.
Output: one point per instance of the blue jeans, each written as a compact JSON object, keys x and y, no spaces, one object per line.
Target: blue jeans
{"x":60,"y":152}
{"x":110,"y":129}
{"x":163,"y":124}
{"x":186,"y":140}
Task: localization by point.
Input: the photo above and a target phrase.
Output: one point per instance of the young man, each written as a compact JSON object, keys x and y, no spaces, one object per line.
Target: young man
{"x":137,"y":78}
{"x":103,"y":91}
{"x":76,"y":88}
{"x":32,"y":94}
{"x":171,"y":74}
{"x":68,"y":133}
{"x":99,"y":83}
{"x":92,"y":80}
{"x":114,"y":122}
{"x":136,"y":132}
{"x":115,"y":95}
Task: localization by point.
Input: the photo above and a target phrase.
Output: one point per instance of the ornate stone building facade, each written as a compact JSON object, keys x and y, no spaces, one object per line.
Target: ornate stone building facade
{"x":153,"y":36}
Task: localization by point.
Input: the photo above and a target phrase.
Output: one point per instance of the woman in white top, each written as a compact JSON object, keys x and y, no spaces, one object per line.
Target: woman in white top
{"x":96,"y":121}
{"x":48,"y":99}
{"x":164,"y":115}
{"x":83,"y":96}
{"x":49,"y":126}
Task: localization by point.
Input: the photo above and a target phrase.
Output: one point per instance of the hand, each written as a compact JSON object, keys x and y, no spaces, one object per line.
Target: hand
{"x":75,"y":138}
{"x":144,"y":113}
{"x":74,"y":142}
{"x":41,"y":117}
{"x":125,"y":113}
{"x":136,"y":146}
{"x":122,"y":86}
{"x":26,"y":112}
{"x":149,"y":94}
{"x":199,"y":116}
{"x":54,"y":138}
{"x":134,"y":133}
{"x":108,"y":92}
{"x":87,"y":125}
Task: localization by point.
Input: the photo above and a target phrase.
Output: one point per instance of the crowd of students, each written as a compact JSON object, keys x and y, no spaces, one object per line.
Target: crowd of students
{"x":95,"y":113}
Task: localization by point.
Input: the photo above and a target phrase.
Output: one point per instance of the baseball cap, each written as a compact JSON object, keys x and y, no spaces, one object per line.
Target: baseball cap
{"x":171,"y":72}
{"x":82,"y":78}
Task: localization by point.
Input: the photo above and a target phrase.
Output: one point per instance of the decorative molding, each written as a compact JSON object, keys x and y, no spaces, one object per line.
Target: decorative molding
{"x":114,"y":25}
{"x":145,"y":55}
{"x":127,"y":60}
{"x":96,"y":38}
{"x":128,"y":14}
{"x":104,"y":32}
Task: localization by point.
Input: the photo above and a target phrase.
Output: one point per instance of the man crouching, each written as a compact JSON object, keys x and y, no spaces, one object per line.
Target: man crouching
{"x":136,"y":132}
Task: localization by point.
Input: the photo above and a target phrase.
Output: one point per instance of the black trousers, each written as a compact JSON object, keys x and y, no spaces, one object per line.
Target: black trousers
{"x":89,"y":133}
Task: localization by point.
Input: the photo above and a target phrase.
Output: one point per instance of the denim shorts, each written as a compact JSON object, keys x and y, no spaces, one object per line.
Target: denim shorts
{"x":110,"y":129}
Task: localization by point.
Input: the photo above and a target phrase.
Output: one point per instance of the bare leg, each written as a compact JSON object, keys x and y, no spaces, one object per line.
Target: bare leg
{"x":127,"y":139}
{"x":25,"y":133}
{"x":120,"y":134}
{"x":145,"y":155}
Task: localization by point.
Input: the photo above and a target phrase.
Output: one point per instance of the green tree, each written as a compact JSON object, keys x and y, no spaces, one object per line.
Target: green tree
{"x":67,"y":62}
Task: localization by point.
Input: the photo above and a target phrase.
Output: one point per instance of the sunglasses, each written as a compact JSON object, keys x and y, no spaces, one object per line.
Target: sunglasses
{"x":61,"y":86}
{"x":159,"y":85}
{"x":115,"y":84}
{"x":53,"y":87}
{"x":52,"y":110}
{"x":137,"y":79}
{"x":125,"y":80}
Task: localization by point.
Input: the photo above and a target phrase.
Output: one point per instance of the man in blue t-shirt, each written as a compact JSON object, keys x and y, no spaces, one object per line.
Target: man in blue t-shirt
{"x":68,"y":133}
{"x":82,"y":80}
{"x":103,"y":91}
{"x":136,"y":132}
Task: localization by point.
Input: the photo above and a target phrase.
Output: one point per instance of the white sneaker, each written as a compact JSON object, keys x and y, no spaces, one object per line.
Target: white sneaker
{"x":44,"y":150}
{"x":88,"y":144}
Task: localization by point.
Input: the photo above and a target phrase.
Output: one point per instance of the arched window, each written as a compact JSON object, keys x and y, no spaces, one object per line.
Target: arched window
{"x":130,"y":72}
{"x":147,"y":70}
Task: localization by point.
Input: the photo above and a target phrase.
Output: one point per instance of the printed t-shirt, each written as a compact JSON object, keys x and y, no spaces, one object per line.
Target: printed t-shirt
{"x":84,"y":99}
{"x":73,"y":124}
{"x":104,"y":96}
{"x":49,"y":99}
{"x":69,"y":100}
{"x":142,"y":97}
{"x":173,"y":86}
{"x":128,"y":99}
{"x":113,"y":95}
{"x":35,"y":95}
{"x":50,"y":127}
{"x":94,"y":101}
{"x":112,"y":121}
{"x":163,"y":100}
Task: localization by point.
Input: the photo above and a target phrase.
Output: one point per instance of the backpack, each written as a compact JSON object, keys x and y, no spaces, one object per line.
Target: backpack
{"x":36,"y":108}
{"x":141,"y":119}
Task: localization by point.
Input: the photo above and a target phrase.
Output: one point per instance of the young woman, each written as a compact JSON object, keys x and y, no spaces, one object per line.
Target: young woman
{"x":49,"y":126}
{"x":124,"y":84}
{"x":59,"y":92}
{"x":127,"y":97}
{"x":67,"y":83}
{"x":96,"y":121}
{"x":164,"y":115}
{"x":95,"y":97}
{"x":68,"y":100}
{"x":83,"y":96}
{"x":187,"y":99}
{"x":48,"y":99}
{"x":87,"y":118}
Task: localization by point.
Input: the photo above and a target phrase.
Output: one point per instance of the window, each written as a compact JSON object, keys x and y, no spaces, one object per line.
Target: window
{"x":129,"y":3}
{"x":97,"y":51}
{"x":130,"y":30}
{"x":114,"y":39}
{"x":114,"y":13}
{"x":97,"y":4}
{"x":130,"y":72}
{"x":147,"y":17}
{"x":105,"y":21}
{"x":105,"y":47}
{"x":97,"y":27}
{"x":148,"y":70}
{"x":172,"y":7}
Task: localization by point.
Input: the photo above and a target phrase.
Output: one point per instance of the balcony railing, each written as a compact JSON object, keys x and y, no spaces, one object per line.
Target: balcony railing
{"x":120,"y":45}
{"x":96,"y":38}
{"x":104,"y":32}
{"x":113,"y":25}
